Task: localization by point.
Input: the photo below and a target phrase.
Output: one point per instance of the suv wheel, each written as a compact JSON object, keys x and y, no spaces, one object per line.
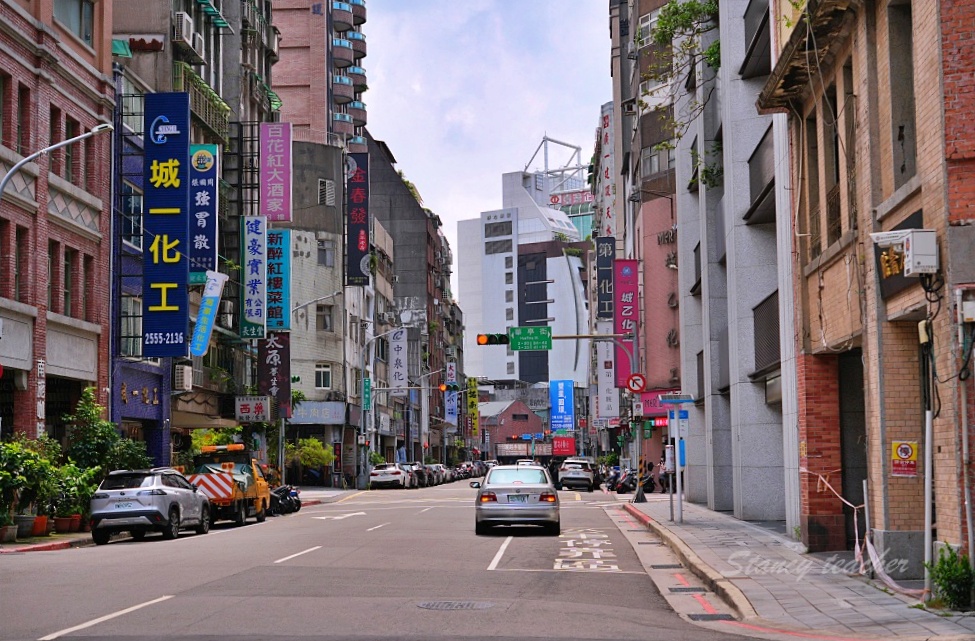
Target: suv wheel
{"x":204,"y":525}
{"x":171,"y":531}
{"x":100,"y":537}
{"x":138,"y":535}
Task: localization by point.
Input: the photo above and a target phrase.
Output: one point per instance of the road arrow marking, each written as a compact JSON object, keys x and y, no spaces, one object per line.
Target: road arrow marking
{"x":340,"y":517}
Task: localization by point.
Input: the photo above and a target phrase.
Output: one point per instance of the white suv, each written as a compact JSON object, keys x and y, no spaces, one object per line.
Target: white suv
{"x":576,"y":473}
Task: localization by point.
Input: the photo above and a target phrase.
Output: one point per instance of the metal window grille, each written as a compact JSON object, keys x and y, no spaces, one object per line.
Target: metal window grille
{"x":766,"y":328}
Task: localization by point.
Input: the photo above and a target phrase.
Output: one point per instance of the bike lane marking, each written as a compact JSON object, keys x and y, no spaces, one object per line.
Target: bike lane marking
{"x":107,"y":617}
{"x":586,"y":549}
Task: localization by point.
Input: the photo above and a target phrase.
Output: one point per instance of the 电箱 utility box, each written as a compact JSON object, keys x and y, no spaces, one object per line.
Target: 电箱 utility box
{"x":920,"y":252}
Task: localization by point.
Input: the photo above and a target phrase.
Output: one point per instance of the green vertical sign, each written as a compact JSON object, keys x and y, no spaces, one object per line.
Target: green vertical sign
{"x":366,"y":393}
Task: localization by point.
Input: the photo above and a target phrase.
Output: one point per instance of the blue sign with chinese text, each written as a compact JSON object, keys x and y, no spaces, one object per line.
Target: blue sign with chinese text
{"x":563,"y":406}
{"x":204,"y":181}
{"x":166,"y":196}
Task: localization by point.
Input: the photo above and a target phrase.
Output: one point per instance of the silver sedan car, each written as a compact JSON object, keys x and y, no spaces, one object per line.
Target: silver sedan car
{"x":516,"y":495}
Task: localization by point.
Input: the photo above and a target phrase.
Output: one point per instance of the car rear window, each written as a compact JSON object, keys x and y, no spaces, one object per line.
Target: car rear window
{"x":126,"y":481}
{"x":517,"y":476}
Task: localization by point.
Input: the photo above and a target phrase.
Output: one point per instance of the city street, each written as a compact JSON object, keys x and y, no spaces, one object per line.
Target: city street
{"x":389,"y":564}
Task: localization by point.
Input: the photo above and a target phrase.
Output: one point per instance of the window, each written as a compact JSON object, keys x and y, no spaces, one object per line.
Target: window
{"x":323,"y":318}
{"x":23,"y":120}
{"x":382,"y":350}
{"x":653,"y":161}
{"x":4,"y":99}
{"x":71,"y":151}
{"x":326,"y":193}
{"x":647,"y":23}
{"x":76,"y":16}
{"x":54,"y":137}
{"x":87,"y":287}
{"x":511,"y":367}
{"x":902,"y":107}
{"x":133,"y":99}
{"x":509,"y":296}
{"x":326,"y":253}
{"x":131,"y":215}
{"x":67,"y":284}
{"x":21,"y":250}
{"x":508,"y":262}
{"x":52,"y":258}
{"x":508,"y":278}
{"x":509,"y":314}
{"x":492,"y":230}
{"x":130,"y":326}
{"x":323,"y":376}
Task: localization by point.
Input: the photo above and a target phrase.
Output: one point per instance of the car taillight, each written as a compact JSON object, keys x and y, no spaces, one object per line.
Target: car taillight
{"x":153,"y":492}
{"x":487,"y":497}
{"x":547,"y":497}
{"x":396,"y":473}
{"x":563,"y":469}
{"x":373,"y":473}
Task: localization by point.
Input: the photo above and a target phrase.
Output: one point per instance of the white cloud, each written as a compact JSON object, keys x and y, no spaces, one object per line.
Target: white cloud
{"x":463,"y":92}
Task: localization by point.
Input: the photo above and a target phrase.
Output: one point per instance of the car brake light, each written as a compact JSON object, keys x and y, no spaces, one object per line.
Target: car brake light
{"x":487,"y":497}
{"x":153,"y":492}
{"x":373,"y":473}
{"x":396,"y":473}
{"x":563,"y":469}
{"x":547,"y":497}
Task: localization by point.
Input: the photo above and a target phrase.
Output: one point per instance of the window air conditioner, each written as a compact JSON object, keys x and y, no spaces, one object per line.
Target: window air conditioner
{"x":198,"y":46}
{"x":183,"y":28}
{"x":183,"y":378}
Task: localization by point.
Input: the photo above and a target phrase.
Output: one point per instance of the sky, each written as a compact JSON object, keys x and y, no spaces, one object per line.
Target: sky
{"x":463,"y":91}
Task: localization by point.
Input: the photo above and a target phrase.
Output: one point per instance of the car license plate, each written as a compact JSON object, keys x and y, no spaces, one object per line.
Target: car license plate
{"x":517,"y":498}
{"x":124,"y":505}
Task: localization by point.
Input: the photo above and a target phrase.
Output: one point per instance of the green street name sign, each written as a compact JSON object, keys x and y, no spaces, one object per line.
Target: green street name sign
{"x":530,"y":338}
{"x":367,"y":393}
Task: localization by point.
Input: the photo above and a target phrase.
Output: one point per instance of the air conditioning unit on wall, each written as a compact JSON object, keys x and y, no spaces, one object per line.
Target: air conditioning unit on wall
{"x":183,"y":378}
{"x":198,"y":45}
{"x":183,"y":28}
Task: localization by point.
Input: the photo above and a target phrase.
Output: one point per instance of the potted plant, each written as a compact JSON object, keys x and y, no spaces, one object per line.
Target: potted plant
{"x":7,"y":533}
{"x":72,"y":500}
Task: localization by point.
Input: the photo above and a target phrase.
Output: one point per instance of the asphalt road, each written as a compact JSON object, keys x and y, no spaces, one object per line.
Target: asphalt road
{"x":390,"y":564}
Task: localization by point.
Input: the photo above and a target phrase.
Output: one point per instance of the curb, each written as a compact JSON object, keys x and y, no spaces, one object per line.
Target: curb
{"x":713,"y":579}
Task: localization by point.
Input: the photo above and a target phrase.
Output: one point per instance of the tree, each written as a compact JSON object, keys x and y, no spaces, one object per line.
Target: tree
{"x":94,"y":441}
{"x":680,"y":33}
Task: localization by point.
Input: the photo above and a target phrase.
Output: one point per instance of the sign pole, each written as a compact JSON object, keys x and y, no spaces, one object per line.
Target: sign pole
{"x":680,"y":469}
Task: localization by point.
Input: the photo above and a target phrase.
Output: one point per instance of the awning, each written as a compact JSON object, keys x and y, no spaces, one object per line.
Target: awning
{"x":121,"y":48}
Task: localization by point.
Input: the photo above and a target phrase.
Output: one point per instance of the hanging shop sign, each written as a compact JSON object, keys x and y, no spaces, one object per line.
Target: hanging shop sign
{"x":275,"y":171}
{"x":279,"y":279}
{"x":274,"y":370}
{"x":204,"y":203}
{"x":357,"y":221}
{"x":254,"y":277}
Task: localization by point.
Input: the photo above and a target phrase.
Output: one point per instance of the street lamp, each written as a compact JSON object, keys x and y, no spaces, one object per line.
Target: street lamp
{"x":316,"y":300}
{"x":64,"y":143}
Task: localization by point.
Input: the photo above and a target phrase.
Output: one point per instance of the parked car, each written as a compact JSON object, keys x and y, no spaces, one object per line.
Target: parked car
{"x":516,"y":495}
{"x":387,"y":475}
{"x":577,"y":473}
{"x":140,"y":501}
{"x":411,"y":480}
{"x":434,"y":473}
{"x":423,"y":477}
{"x":442,"y":472}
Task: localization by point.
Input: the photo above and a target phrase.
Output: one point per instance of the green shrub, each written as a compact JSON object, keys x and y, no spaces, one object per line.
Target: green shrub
{"x":375,"y":458}
{"x":952,"y":575}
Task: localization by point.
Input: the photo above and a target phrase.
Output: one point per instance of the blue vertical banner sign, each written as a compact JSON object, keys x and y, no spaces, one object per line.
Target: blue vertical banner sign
{"x":165,"y":275}
{"x":278,"y":279}
{"x":254,"y":277}
{"x":563,"y":406}
{"x":204,"y":197}
{"x":209,"y":305}
{"x":357,"y":223}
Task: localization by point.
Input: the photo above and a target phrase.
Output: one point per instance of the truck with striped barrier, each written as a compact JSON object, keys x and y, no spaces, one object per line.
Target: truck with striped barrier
{"x":233,"y":481}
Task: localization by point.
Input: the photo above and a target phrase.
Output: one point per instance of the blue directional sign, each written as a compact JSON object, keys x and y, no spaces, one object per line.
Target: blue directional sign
{"x":526,"y":437}
{"x":539,"y":436}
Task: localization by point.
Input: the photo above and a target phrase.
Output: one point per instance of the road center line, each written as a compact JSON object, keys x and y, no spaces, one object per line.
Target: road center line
{"x":288,"y":558}
{"x":113,"y":615}
{"x":376,"y":527}
{"x":497,"y":557}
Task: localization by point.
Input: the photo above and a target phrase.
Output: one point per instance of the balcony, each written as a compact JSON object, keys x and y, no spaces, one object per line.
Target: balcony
{"x":357,"y":109}
{"x":358,"y":43}
{"x":358,"y":11}
{"x":358,"y":77}
{"x":342,"y":53}
{"x":205,"y":104}
{"x":758,"y":51}
{"x":342,"y":124}
{"x":342,"y":90}
{"x":761,"y":182}
{"x":358,"y":145}
{"x":342,"y":16}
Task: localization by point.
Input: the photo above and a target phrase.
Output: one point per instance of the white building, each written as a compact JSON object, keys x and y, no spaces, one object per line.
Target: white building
{"x":518,"y":266}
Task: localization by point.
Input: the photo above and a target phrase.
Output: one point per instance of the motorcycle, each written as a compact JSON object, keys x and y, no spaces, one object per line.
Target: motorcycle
{"x":613,"y":480}
{"x":284,"y":500}
{"x":627,"y":482}
{"x":647,"y":481}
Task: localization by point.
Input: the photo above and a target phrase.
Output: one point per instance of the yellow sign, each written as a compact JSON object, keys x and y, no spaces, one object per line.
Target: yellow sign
{"x":903,"y":458}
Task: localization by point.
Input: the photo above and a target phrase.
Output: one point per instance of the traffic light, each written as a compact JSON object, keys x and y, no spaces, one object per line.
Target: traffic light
{"x":449,"y":387}
{"x":492,"y":339}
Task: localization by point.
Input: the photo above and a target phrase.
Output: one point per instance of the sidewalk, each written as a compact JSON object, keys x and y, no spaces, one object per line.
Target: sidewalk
{"x":771,"y":583}
{"x":309,"y":496}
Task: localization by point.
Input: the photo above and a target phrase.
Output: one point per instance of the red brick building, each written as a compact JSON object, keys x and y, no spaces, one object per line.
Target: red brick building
{"x":501,"y":420}
{"x":55,"y":84}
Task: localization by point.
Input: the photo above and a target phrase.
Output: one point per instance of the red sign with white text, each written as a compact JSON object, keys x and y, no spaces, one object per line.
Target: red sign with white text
{"x":563,"y":446}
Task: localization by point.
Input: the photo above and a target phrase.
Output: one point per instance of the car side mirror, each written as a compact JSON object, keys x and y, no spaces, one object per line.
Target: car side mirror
{"x":475,"y":484}
{"x":194,"y":486}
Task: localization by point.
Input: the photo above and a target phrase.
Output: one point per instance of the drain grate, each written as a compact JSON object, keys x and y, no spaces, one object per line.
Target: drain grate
{"x":667,"y":566}
{"x":698,"y":590}
{"x":455,"y":605}
{"x":710,"y":617}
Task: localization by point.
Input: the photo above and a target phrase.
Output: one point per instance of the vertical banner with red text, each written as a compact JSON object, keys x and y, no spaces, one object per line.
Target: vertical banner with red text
{"x":357,"y":222}
{"x":626,"y":293}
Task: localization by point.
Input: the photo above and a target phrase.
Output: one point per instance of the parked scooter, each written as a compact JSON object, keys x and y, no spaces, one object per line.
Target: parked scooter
{"x":613,"y":480}
{"x":627,"y":482}
{"x":284,"y":500}
{"x":647,"y":481}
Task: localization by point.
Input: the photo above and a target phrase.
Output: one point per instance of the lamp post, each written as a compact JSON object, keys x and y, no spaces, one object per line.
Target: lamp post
{"x":281,"y":429}
{"x":64,"y":143}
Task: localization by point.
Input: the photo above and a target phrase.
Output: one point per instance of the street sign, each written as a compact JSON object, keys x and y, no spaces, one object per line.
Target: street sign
{"x":676,"y":398}
{"x":367,"y":393}
{"x":530,"y":338}
{"x":636,"y":383}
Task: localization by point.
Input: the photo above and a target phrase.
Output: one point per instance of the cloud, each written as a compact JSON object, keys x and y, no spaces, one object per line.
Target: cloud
{"x":463,"y":92}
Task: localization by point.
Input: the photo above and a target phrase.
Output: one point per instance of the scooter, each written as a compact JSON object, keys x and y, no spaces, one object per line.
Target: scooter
{"x":613,"y":480}
{"x":647,"y":481}
{"x":627,"y":482}
{"x":284,"y":500}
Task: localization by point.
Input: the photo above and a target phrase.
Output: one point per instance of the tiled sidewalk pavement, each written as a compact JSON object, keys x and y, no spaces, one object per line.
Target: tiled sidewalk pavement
{"x":769,"y":582}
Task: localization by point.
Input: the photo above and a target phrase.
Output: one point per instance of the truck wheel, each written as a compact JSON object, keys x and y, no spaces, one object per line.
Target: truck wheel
{"x":241,"y":517}
{"x":262,"y":515}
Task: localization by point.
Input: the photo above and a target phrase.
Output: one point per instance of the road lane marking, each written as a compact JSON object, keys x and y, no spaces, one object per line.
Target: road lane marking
{"x":288,"y":558}
{"x":426,"y":509}
{"x":349,"y":497}
{"x":107,"y":617}
{"x":340,"y":517}
{"x":376,"y":527}
{"x":497,"y":557}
